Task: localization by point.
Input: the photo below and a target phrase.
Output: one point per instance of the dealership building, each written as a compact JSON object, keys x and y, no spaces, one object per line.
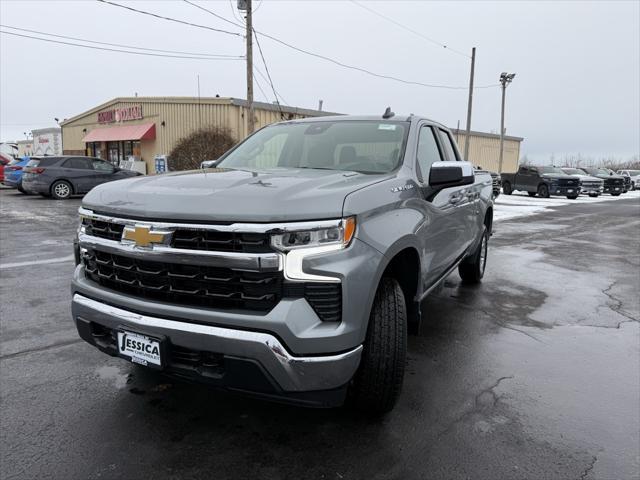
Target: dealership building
{"x":148,"y":127}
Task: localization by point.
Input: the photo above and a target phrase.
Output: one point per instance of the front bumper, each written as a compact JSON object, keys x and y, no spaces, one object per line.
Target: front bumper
{"x":591,"y":190}
{"x":249,"y":361}
{"x":564,"y":190}
{"x":613,"y":188}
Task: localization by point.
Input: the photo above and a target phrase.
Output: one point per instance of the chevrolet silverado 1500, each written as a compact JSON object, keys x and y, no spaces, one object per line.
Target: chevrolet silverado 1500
{"x":292,"y":268}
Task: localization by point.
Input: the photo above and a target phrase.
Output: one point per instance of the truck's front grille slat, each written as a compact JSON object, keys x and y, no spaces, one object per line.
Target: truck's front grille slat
{"x":185,"y":284}
{"x":221,"y":241}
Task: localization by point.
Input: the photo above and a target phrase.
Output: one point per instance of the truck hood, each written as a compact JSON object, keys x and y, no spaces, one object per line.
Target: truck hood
{"x":588,"y":178}
{"x":558,"y":176}
{"x":228,"y":195}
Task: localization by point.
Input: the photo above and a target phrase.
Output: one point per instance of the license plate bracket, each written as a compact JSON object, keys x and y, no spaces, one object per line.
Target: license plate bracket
{"x":140,"y":348}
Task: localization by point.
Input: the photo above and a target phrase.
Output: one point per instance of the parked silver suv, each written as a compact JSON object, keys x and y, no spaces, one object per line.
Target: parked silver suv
{"x":291,"y":270}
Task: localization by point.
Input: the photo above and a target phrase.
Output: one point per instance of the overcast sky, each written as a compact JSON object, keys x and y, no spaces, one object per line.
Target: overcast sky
{"x":577,"y":88}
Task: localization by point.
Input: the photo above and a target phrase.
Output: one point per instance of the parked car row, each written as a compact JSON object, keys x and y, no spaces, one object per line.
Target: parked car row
{"x":61,"y":177}
{"x":546,"y":181}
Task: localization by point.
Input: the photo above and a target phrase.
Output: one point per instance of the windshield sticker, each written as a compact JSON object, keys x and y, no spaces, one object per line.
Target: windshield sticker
{"x":386,"y":126}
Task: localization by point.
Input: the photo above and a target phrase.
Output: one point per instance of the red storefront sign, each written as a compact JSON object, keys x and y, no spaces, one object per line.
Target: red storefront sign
{"x":121,"y":114}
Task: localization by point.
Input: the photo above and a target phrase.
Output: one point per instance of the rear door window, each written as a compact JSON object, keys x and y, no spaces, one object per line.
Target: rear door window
{"x":428,"y":151}
{"x":449,"y":148}
{"x":78,"y":163}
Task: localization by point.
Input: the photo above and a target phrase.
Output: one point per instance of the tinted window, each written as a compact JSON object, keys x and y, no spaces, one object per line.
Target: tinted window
{"x":81,"y":163}
{"x":448,"y":146}
{"x":43,"y":162}
{"x":428,"y":151}
{"x":101,"y":166}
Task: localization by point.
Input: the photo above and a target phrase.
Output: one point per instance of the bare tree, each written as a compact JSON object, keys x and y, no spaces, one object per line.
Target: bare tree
{"x":207,"y":143}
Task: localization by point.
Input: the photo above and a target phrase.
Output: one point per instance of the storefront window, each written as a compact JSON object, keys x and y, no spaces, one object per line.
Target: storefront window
{"x":113,"y":149}
{"x":94,"y":150}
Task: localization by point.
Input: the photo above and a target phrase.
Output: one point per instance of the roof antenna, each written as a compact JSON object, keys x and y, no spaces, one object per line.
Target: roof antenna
{"x":388,"y":113}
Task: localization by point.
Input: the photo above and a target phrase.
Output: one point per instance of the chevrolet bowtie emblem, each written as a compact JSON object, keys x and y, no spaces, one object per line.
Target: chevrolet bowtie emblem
{"x":143,"y":236}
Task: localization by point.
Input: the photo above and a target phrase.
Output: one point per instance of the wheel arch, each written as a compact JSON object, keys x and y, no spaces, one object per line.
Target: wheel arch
{"x":403,"y":263}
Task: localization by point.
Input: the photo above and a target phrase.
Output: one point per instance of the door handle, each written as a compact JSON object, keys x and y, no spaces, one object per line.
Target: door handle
{"x":455,"y":198}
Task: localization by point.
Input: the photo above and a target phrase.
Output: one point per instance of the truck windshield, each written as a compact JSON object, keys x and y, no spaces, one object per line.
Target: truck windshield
{"x":596,"y":171}
{"x":549,"y":170}
{"x":353,"y":145}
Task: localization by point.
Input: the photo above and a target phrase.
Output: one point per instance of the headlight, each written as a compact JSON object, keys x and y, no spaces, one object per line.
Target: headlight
{"x":339,"y":234}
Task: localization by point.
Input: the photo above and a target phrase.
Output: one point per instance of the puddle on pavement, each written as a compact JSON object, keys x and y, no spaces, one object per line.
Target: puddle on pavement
{"x":115,"y":375}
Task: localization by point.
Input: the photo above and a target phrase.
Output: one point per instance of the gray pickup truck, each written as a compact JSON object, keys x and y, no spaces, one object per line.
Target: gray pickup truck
{"x":291,"y":270}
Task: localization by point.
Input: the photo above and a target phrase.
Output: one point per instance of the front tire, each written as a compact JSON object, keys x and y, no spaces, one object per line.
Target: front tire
{"x":61,"y":190}
{"x":506,"y":188}
{"x":378,"y":381}
{"x":615,"y":194}
{"x":593,"y":195}
{"x":572,"y":197}
{"x":543,"y":191}
{"x":471,"y":270}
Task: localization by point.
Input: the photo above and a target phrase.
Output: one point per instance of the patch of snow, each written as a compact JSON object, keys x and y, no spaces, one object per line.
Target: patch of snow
{"x":520,"y":204}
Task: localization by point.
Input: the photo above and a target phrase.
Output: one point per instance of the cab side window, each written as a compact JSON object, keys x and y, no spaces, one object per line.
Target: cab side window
{"x":448,"y":146}
{"x":428,"y":152}
{"x":79,"y":163}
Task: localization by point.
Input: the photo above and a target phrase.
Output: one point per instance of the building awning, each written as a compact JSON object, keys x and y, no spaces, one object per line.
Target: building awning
{"x":145,"y":131}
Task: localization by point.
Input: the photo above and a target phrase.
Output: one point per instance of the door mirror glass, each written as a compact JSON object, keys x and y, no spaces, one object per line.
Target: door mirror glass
{"x":450,"y":174}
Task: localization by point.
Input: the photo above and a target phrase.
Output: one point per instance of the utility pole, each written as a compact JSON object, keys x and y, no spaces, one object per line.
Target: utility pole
{"x":249,"y":22}
{"x":470,"y":103}
{"x":505,"y":79}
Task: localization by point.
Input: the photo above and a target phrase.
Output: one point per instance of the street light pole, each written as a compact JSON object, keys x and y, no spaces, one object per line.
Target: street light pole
{"x":505,"y":79}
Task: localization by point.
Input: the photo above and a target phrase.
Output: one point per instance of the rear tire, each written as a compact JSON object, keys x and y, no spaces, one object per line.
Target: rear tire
{"x":531,"y":194}
{"x":543,"y":191}
{"x":506,"y":188}
{"x":61,"y":190}
{"x":615,"y":194}
{"x":572,"y":197}
{"x":22,"y":190}
{"x":471,"y":270}
{"x":593,"y":195}
{"x":378,"y":381}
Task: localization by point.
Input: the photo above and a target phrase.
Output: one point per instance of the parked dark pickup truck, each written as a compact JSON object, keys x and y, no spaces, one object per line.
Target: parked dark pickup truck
{"x":544,"y":181}
{"x":292,"y":269}
{"x":613,"y":184}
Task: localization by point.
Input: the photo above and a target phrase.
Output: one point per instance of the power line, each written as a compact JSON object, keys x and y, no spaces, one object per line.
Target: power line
{"x":214,"y":14}
{"x":112,"y":49}
{"x":404,"y":27}
{"x":170,"y":19}
{"x":264,"y":77}
{"x":266,"y":98}
{"x":266,"y":68}
{"x":125,"y":46}
{"x":313,"y":54}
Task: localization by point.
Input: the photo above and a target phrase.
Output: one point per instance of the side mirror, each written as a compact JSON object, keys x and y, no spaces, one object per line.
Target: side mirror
{"x":209,"y":163}
{"x":450,"y":174}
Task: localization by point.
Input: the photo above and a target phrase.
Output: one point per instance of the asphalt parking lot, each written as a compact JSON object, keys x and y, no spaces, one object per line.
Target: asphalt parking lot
{"x":535,"y":374}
